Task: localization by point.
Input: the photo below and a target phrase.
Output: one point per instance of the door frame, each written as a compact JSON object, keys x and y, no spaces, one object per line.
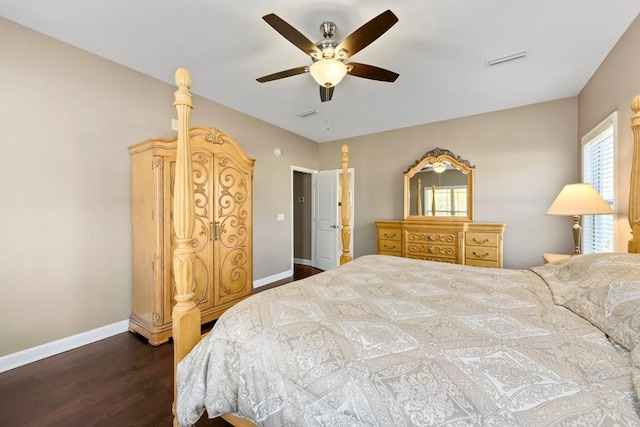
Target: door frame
{"x":313,"y":173}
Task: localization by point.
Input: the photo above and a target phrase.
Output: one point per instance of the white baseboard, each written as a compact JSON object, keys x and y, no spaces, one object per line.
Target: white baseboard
{"x":268,"y":280}
{"x":15,"y":360}
{"x":21,"y":358}
{"x":302,"y":261}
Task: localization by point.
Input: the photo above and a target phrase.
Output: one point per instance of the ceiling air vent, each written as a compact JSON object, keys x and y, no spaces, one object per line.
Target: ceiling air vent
{"x":508,"y":58}
{"x":306,"y":113}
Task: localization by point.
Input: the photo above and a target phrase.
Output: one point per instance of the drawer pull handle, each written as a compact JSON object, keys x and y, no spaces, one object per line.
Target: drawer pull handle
{"x":389,"y":248}
{"x":431,"y":249}
{"x":481,"y":256}
{"x":480,"y":242}
{"x":389,"y":236}
{"x":431,"y":237}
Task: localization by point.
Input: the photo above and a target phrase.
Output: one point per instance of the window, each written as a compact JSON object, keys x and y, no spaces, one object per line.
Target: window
{"x":598,"y":166}
{"x":450,"y":201}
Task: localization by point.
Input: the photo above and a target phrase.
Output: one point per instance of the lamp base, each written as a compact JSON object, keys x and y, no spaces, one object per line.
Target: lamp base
{"x":576,"y":234}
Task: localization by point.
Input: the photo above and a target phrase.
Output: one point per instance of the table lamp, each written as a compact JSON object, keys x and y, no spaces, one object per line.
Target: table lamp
{"x":576,"y":200}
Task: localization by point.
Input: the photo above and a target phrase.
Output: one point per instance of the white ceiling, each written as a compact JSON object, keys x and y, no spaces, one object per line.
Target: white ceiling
{"x":439,"y":48}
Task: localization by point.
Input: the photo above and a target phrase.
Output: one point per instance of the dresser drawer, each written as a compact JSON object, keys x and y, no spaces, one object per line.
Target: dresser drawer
{"x":421,"y":250}
{"x":431,"y":237}
{"x":482,"y":239}
{"x":390,"y":247}
{"x":480,"y":263}
{"x":386,"y":234}
{"x":481,"y":253}
{"x":433,"y":258}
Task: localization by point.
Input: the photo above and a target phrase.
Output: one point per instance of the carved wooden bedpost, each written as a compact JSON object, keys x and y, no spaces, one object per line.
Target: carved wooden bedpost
{"x":433,"y":200}
{"x":345,"y":208}
{"x":419,"y":197}
{"x":634,"y":201}
{"x":186,"y":316}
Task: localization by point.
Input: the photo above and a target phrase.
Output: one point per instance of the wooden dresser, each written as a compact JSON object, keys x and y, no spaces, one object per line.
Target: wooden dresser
{"x":468,"y":243}
{"x":222,"y":269}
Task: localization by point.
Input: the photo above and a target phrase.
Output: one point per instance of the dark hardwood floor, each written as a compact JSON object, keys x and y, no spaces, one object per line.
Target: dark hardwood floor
{"x":119,"y":381}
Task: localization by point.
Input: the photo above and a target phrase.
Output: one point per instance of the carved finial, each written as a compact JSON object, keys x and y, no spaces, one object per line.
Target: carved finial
{"x":635,"y":107}
{"x":183,"y":78}
{"x":182,"y":95}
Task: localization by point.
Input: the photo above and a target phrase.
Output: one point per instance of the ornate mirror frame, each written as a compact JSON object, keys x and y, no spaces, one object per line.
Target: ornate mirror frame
{"x":437,"y":157}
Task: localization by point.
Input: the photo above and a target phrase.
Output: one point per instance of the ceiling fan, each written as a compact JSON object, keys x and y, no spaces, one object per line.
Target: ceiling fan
{"x":328,"y":56}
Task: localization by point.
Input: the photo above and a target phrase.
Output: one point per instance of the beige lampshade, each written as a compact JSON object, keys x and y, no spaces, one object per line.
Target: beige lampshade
{"x":579,"y":199}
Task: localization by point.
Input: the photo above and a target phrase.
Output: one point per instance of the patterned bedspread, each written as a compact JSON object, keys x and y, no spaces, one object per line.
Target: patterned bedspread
{"x":396,"y":342}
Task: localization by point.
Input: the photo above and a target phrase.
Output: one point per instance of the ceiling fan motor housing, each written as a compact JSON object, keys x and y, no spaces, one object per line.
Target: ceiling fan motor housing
{"x":327,"y":29}
{"x":328,"y":48}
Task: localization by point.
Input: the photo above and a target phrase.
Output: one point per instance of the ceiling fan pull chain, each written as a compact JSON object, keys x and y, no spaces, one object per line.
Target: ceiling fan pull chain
{"x":326,"y":119}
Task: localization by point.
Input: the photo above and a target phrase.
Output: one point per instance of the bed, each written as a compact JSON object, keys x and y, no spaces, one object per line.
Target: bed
{"x":392,"y":341}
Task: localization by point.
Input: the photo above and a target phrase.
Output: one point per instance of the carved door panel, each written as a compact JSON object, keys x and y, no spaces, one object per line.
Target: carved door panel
{"x":233,"y":230}
{"x":203,"y":268}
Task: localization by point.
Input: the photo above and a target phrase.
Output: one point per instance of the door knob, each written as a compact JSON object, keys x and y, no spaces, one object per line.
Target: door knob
{"x":333,"y":226}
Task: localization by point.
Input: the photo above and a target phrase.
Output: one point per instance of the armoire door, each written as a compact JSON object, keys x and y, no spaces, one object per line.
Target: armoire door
{"x":233,"y":229}
{"x":204,"y":267}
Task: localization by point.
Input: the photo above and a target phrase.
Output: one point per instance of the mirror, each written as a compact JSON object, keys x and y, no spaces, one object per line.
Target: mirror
{"x":439,"y":186}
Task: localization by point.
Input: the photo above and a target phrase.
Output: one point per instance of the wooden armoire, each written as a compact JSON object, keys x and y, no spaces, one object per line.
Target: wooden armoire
{"x":222,"y":272}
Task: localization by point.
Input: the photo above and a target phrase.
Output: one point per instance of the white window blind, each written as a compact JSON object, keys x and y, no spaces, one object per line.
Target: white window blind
{"x":450,"y":201}
{"x":598,"y":167}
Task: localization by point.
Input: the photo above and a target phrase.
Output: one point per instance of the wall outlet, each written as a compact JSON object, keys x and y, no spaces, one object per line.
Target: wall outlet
{"x":174,"y":124}
{"x":280,"y":217}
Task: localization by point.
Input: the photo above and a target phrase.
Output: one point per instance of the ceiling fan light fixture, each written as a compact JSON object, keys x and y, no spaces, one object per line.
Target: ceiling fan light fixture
{"x":439,"y":167}
{"x":328,"y":72}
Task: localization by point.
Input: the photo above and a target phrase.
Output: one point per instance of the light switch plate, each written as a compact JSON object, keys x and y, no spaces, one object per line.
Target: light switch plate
{"x":280,"y":217}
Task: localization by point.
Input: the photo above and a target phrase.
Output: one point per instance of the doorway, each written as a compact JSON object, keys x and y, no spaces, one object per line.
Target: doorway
{"x":315,"y":202}
{"x":302,"y":216}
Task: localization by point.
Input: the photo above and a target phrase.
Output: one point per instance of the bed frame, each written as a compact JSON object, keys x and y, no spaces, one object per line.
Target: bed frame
{"x":186,"y":316}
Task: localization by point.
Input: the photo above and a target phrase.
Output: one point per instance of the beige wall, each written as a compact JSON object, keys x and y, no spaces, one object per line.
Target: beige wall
{"x":68,"y":118}
{"x":523,"y":157}
{"x":611,"y":88}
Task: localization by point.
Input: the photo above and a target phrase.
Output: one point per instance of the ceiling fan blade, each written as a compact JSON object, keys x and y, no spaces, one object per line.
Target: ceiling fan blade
{"x":371,"y":72}
{"x":294,"y":36}
{"x":283,"y":74}
{"x":366,"y":34}
{"x":326,"y":93}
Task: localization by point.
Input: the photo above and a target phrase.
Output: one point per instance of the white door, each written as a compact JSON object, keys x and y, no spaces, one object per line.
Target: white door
{"x":327,"y":239}
{"x":326,"y":220}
